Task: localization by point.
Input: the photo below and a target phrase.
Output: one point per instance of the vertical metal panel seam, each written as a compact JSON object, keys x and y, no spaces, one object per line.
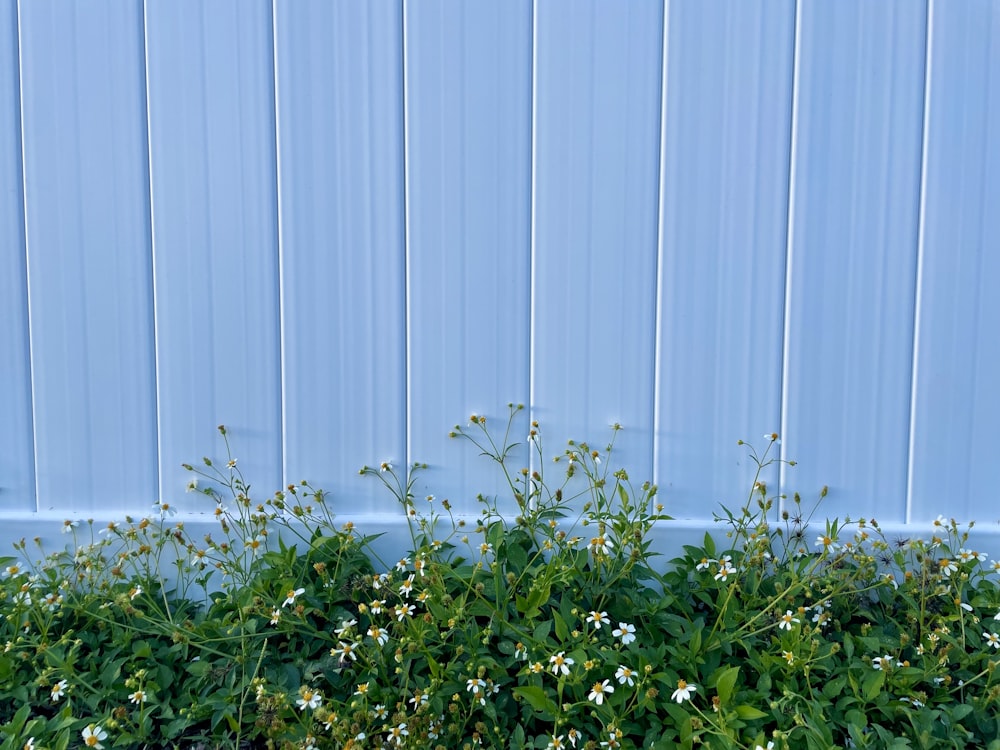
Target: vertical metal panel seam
{"x":658,"y":271}
{"x":407,"y":343}
{"x":918,"y":277}
{"x":532,"y":226}
{"x":152,"y":253}
{"x":789,"y":240}
{"x":279,"y":244}
{"x":27,"y":256}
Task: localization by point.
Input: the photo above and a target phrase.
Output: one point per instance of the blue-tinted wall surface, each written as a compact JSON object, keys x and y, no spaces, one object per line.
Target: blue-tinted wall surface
{"x":339,"y":228}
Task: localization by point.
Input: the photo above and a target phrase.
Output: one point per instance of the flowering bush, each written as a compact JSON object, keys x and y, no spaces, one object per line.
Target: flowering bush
{"x":551,"y":629}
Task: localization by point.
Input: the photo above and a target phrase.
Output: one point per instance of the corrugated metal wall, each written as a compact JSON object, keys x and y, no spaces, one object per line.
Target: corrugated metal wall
{"x":340,"y":227}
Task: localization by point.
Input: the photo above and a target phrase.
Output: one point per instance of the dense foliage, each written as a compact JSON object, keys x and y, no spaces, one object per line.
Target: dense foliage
{"x":556,"y":627}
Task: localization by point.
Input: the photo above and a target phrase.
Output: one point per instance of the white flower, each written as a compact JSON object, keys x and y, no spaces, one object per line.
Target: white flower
{"x":192,"y":485}
{"x":725,"y":569}
{"x":772,"y":437}
{"x":597,"y":618}
{"x":407,"y":588}
{"x":139,"y":696}
{"x":164,"y":509}
{"x":826,"y":542}
{"x":477,"y":687}
{"x":345,"y":651}
{"x":947,"y":567}
{"x":401,"y":565}
{"x":599,"y":690}
{"x":601,"y":545}
{"x":555,"y":743}
{"x":786,"y":620}
{"x":385,"y":466}
{"x":704,"y":563}
{"x":92,"y":736}
{"x":404,"y":611}
{"x":69,"y":525}
{"x":378,"y":635}
{"x":560,"y":663}
{"x":683,"y":691}
{"x":345,"y":625}
{"x":134,"y":592}
{"x":58,"y":690}
{"x":625,"y":675}
{"x":310,"y":699}
{"x":992,"y":639}
{"x":397,"y":733}
{"x":291,"y":595}
{"x":769,"y":746}
{"x":624,"y":631}
{"x":275,"y":616}
{"x":884,"y":662}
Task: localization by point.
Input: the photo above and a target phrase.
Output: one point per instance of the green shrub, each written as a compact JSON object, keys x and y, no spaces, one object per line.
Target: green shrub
{"x":555,"y":628}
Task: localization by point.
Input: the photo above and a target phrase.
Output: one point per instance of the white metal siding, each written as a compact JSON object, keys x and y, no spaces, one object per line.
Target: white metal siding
{"x":341,"y":227}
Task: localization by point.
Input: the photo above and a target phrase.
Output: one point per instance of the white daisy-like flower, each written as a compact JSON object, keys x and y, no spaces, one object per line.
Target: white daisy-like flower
{"x":560,"y":663}
{"x":92,"y":736}
{"x":992,"y":639}
{"x":884,"y":662}
{"x":624,"y":675}
{"x":684,"y":691}
{"x":826,"y":542}
{"x":398,"y":734}
{"x":625,"y":632}
{"x":786,"y":620}
{"x":291,"y":596}
{"x":600,"y":690}
{"x":477,"y":687}
{"x":601,"y":545}
{"x":773,"y":437}
{"x":407,"y":587}
{"x":345,"y":625}
{"x":58,"y":690}
{"x":309,"y":699}
{"x":380,"y":636}
{"x":344,"y":651}
{"x":947,"y":566}
{"x":598,"y":618}
{"x":404,"y":610}
{"x":726,"y":569}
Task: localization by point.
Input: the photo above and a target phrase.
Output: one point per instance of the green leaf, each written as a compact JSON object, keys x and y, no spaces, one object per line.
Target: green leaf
{"x":726,"y":683}
{"x":537,"y":699}
{"x":749,"y":713}
{"x":517,"y":556}
{"x":871,"y":684}
{"x":562,"y":631}
{"x":709,"y":545}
